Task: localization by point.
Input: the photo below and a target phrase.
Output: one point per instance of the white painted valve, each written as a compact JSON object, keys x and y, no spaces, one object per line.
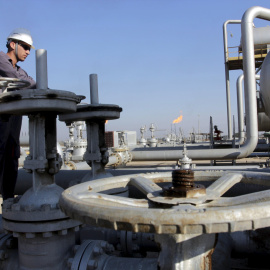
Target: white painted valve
{"x":209,"y":213}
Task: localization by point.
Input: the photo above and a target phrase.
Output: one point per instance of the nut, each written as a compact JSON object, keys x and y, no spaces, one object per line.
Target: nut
{"x":97,"y":251}
{"x":92,"y":264}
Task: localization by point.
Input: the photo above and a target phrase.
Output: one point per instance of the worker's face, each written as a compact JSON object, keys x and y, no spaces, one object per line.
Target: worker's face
{"x":23,"y":50}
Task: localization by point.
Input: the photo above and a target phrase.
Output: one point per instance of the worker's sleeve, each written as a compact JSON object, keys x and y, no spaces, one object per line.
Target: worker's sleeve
{"x":21,"y":74}
{"x":7,"y":70}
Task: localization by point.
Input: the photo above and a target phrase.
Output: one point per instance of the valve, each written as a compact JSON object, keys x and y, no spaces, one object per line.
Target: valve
{"x":12,"y":83}
{"x":184,"y":226}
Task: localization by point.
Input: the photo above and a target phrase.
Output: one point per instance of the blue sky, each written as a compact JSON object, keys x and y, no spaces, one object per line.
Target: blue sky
{"x":157,"y":59}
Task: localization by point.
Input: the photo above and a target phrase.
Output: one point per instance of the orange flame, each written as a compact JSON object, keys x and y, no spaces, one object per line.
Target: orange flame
{"x":178,"y":120}
{"x":106,"y":121}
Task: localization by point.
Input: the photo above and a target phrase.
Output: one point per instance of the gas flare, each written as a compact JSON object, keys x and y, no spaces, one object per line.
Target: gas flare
{"x":178,"y":120}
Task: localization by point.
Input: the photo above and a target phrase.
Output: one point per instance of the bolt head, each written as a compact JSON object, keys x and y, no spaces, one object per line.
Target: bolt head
{"x":47,"y":234}
{"x":69,"y":262}
{"x":97,"y":251}
{"x":92,"y":264}
{"x":30,"y":235}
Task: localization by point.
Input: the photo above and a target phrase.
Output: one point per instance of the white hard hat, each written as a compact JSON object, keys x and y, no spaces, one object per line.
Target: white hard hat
{"x":22,"y":35}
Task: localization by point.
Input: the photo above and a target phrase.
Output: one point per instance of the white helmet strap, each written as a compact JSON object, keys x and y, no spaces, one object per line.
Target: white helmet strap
{"x":16,"y":49}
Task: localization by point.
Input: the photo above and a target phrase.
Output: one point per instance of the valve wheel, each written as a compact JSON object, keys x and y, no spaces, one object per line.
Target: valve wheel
{"x":95,"y":203}
{"x":12,"y":83}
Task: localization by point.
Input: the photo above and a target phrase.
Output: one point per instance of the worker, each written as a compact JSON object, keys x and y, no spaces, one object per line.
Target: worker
{"x":19,"y":44}
{"x":217,"y":133}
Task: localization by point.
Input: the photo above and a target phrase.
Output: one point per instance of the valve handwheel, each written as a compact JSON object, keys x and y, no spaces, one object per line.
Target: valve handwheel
{"x":12,"y":83}
{"x":94,"y":203}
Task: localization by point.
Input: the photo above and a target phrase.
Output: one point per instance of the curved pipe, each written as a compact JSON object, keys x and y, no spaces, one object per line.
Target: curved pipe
{"x":240,"y":107}
{"x":250,"y":103}
{"x":226,"y":58}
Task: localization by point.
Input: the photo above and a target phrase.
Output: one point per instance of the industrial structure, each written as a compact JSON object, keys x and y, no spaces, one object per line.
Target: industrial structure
{"x":73,"y":211}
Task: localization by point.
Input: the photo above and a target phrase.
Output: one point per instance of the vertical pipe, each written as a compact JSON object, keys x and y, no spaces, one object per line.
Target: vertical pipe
{"x":94,"y":88}
{"x":185,"y":251}
{"x":228,"y":99}
{"x":43,"y":252}
{"x":249,"y":68}
{"x":240,"y":109}
{"x":41,"y":69}
{"x":226,"y":58}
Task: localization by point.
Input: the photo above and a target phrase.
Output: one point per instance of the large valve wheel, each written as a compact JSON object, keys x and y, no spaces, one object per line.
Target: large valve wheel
{"x":12,"y":83}
{"x":94,"y":203}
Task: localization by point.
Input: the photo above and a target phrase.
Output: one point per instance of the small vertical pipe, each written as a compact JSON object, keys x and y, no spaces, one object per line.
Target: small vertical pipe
{"x":94,"y":88}
{"x":240,"y":108}
{"x":41,"y":69}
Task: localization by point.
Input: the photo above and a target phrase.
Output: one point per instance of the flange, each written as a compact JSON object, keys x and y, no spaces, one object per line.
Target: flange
{"x":93,"y":112}
{"x":23,"y":102}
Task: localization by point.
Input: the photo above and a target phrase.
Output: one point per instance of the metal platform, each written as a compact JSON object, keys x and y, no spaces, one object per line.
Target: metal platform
{"x":235,"y":63}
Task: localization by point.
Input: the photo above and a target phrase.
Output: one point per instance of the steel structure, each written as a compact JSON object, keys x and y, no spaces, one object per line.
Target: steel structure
{"x":139,"y":211}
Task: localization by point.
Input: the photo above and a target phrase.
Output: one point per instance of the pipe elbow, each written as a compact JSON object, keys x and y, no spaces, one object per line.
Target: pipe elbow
{"x":254,"y":12}
{"x":248,"y":147}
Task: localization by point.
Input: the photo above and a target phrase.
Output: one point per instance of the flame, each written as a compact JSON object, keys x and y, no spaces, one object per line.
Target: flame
{"x":106,"y":121}
{"x":178,"y":120}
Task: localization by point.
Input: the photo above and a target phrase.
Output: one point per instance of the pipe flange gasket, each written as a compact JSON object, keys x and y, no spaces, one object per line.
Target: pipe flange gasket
{"x":13,"y":210}
{"x":211,"y":213}
{"x":26,"y":214}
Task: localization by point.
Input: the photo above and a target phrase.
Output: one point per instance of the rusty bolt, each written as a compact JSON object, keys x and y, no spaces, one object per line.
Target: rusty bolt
{"x":183,"y":178}
{"x":183,"y":185}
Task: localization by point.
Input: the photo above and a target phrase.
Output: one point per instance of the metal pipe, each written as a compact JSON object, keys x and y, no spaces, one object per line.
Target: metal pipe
{"x":240,"y":107}
{"x":66,"y":179}
{"x":226,"y":58}
{"x":114,"y":159}
{"x":41,"y":69}
{"x":94,"y":89}
{"x":250,"y":242}
{"x":250,"y":103}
